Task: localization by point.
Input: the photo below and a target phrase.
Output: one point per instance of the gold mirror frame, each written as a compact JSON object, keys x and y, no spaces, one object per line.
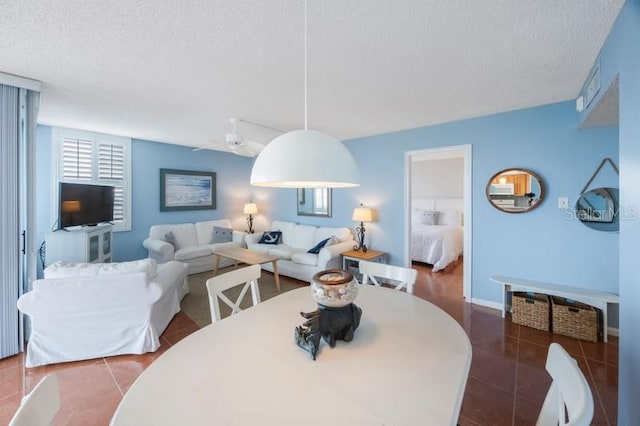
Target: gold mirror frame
{"x":515,"y":190}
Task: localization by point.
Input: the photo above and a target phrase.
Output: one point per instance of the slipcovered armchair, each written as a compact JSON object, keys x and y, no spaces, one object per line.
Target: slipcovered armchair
{"x":83,"y":311}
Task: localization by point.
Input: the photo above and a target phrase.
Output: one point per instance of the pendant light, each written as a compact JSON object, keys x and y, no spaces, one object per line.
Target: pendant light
{"x":305,"y":158}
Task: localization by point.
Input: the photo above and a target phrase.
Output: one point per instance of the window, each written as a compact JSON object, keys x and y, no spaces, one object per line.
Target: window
{"x":94,"y":158}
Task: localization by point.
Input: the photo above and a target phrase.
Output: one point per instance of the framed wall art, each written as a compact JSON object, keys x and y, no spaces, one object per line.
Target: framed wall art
{"x":187,"y":190}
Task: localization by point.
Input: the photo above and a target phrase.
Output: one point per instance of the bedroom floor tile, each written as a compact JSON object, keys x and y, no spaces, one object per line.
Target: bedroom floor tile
{"x":506,"y":385}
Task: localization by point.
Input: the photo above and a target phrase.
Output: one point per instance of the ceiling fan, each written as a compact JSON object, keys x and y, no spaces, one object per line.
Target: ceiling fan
{"x":236,"y":143}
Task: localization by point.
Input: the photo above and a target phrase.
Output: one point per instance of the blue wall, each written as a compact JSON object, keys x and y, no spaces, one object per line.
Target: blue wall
{"x":620,"y":55}
{"x":233,"y":189}
{"x":545,"y":244}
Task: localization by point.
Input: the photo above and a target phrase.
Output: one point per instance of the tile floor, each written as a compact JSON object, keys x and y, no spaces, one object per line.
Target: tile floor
{"x":506,"y":385}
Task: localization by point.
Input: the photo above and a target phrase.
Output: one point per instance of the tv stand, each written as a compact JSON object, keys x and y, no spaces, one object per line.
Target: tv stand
{"x":80,"y":245}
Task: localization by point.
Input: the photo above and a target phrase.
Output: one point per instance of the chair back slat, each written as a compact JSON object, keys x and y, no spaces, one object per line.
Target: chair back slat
{"x":247,"y":277}
{"x":568,"y":392}
{"x":40,"y":406}
{"x":402,"y":277}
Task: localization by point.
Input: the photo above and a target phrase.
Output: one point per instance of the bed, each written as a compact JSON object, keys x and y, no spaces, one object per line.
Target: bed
{"x":436,"y":231}
{"x":438,"y":245}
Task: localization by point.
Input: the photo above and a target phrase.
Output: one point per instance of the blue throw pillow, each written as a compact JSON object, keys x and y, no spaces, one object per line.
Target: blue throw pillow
{"x":270,"y":237}
{"x":316,"y":249}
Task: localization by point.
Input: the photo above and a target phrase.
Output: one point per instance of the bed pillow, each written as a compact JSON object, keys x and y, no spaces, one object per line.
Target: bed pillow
{"x":221,"y":235}
{"x":417,"y":216}
{"x":270,"y":237}
{"x":449,"y":217}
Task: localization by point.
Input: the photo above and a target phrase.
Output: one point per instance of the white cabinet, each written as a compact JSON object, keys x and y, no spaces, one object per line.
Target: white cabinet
{"x":91,"y":244}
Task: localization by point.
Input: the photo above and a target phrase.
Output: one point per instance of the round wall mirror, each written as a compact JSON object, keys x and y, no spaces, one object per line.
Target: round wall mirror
{"x":598,"y":208}
{"x":515,"y":190}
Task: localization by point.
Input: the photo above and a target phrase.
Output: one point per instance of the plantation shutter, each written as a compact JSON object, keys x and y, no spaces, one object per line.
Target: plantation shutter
{"x":99,"y":160}
{"x":111,"y":168}
{"x":77,"y":159}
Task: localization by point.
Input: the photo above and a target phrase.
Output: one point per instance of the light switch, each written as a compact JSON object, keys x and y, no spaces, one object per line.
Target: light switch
{"x":563,"y":202}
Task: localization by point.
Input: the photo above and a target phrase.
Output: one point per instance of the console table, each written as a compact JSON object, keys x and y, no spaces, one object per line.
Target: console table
{"x":596,"y":298}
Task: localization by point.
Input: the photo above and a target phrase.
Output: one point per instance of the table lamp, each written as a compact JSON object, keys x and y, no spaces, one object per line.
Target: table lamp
{"x":361,"y":214}
{"x":250,"y":209}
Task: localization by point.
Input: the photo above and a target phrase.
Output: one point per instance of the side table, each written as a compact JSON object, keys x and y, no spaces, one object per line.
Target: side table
{"x":351,"y":260}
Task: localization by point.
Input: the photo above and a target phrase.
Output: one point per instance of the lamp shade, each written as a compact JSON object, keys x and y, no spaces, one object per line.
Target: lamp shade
{"x":250,"y":208}
{"x":362,"y":214}
{"x":305,"y":159}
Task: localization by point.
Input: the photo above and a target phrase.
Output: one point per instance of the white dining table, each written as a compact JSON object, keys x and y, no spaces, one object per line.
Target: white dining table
{"x":407,"y":364}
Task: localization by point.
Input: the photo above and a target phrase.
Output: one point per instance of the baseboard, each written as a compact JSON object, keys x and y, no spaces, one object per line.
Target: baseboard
{"x":487,"y":303}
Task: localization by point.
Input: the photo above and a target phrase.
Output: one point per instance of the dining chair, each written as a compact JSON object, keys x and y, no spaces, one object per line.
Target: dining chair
{"x":40,"y":406}
{"x":569,"y":393}
{"x":401,"y":277}
{"x":247,"y":276}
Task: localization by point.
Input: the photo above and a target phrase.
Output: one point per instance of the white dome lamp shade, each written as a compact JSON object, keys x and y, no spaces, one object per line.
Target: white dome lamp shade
{"x":305,"y":158}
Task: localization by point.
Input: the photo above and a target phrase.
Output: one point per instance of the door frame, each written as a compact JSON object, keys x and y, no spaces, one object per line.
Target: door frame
{"x":443,"y":153}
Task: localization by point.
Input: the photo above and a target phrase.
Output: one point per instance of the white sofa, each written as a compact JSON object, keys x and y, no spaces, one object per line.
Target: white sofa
{"x":194,"y":244}
{"x":293,"y":259}
{"x":83,"y":311}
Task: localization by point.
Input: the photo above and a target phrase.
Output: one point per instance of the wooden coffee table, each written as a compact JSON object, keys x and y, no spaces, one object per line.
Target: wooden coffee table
{"x":249,"y":257}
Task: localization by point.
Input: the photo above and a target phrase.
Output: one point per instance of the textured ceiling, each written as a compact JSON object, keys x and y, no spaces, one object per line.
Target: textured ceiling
{"x":176,"y":71}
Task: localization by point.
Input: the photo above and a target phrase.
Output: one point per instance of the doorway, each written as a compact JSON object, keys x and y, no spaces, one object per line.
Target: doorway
{"x":449,"y":205}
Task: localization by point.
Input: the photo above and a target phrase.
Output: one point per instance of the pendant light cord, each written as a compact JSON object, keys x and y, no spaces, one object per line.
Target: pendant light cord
{"x":305,"y":65}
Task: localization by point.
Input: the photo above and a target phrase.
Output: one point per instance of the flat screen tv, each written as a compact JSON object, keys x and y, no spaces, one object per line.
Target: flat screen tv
{"x":87,"y":205}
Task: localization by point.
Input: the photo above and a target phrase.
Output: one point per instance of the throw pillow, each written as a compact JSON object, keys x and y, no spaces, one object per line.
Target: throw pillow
{"x":270,"y":237}
{"x":431,"y":217}
{"x":316,"y":249}
{"x":171,"y":239}
{"x":221,"y":235}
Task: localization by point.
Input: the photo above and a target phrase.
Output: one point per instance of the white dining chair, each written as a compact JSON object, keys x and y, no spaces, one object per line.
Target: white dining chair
{"x":247,"y":276}
{"x":401,"y":277}
{"x":569,"y":393}
{"x":39,"y":407}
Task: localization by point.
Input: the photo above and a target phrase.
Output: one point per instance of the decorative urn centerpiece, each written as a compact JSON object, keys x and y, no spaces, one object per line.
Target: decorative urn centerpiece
{"x":334,"y":288}
{"x":337,"y":317}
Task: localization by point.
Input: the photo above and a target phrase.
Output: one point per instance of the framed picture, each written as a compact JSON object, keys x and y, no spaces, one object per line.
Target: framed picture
{"x":187,"y":190}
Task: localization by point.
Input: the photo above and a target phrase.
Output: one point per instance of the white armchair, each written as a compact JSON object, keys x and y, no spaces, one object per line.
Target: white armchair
{"x":84,"y":311}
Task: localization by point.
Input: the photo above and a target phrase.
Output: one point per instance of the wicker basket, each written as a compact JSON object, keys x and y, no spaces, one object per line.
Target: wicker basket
{"x":530,"y":309}
{"x":574,"y":319}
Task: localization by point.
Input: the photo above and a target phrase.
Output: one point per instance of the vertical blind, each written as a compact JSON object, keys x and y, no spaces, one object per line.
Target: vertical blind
{"x":9,"y":221}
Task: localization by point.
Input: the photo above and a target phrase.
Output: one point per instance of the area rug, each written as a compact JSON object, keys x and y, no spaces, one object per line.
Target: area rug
{"x":195,"y":304}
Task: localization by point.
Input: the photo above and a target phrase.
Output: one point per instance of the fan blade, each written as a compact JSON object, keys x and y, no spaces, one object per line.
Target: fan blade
{"x":255,"y":147}
{"x":243,"y":150}
{"x":213,"y":145}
